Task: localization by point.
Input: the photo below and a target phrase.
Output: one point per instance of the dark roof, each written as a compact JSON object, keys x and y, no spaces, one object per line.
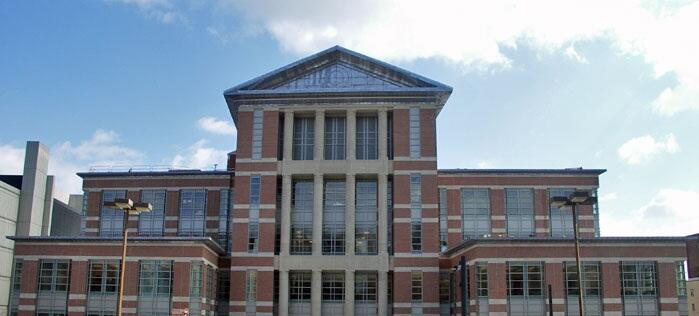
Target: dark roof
{"x":395,"y":84}
{"x":547,"y":240}
{"x":193,"y":172}
{"x":566,"y":171}
{"x":13,"y":180}
{"x":78,"y":239}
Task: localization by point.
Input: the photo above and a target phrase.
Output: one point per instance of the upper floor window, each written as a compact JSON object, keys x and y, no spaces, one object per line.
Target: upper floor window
{"x":151,"y":223}
{"x":302,"y":217}
{"x":53,"y":275}
{"x":155,"y":278}
{"x":333,"y":286}
{"x":334,"y":138}
{"x":257,"y":119}
{"x":475,"y":213}
{"x":192,"y":212}
{"x":443,"y":216}
{"x":223,"y":218}
{"x":334,"y":217}
{"x":389,"y":135}
{"x":365,"y":291}
{"x":416,"y":286}
{"x":299,"y":286}
{"x":111,"y":219}
{"x":525,"y":279}
{"x":366,"y":217}
{"x":254,"y":215}
{"x":367,"y":137}
{"x":681,"y":279}
{"x":639,"y":288}
{"x":83,"y":214}
{"x":414,"y":123}
{"x":104,"y":276}
{"x":561,"y":217}
{"x":519,"y":205}
{"x":482,"y":279}
{"x":304,"y":135}
{"x":416,"y":212}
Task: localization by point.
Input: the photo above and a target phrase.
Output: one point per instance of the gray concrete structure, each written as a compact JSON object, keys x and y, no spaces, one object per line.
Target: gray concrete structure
{"x":26,"y":209}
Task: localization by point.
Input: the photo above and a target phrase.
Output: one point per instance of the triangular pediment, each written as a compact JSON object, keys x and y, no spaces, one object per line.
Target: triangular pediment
{"x":337,"y":70}
{"x":338,"y":75}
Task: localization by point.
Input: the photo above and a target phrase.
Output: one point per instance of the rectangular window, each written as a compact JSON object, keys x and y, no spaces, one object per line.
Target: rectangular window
{"x":365,"y":293}
{"x":280,"y":137}
{"x":416,"y":212}
{"x":389,"y":135}
{"x":592,"y":288}
{"x":196,"y":284}
{"x":155,"y":278}
{"x":595,"y":213}
{"x":54,"y":278}
{"x":53,"y":275}
{"x":83,"y":214}
{"x":223,"y":219}
{"x":278,"y":218}
{"x":152,"y":223}
{"x":333,"y":287}
{"x":482,"y":279}
{"x":334,"y":217}
{"x":111,"y":220}
{"x":443,"y":216}
{"x":300,"y":286}
{"x":639,"y":288}
{"x":444,"y":288}
{"x":519,"y":204}
{"x":302,"y":217}
{"x":104,"y":276}
{"x":414,"y":123}
{"x":389,"y":232}
{"x":525,"y":288}
{"x":304,"y":136}
{"x":416,"y":286}
{"x":561,"y":217}
{"x":192,"y":212}
{"x":475,"y":213}
{"x":254,"y":215}
{"x":251,"y":293}
{"x":210,"y":285}
{"x":257,"y":128}
{"x":154,"y":287}
{"x":16,"y":287}
{"x":334,"y":138}
{"x":681,"y":279}
{"x":367,"y":138}
{"x":366,"y":218}
{"x":223,"y":283}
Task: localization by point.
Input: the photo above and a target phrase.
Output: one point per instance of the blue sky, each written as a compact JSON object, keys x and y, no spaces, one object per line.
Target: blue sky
{"x":550,"y":85}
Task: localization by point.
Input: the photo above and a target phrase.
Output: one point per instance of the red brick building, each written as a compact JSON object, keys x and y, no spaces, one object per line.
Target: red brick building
{"x":333,"y":204}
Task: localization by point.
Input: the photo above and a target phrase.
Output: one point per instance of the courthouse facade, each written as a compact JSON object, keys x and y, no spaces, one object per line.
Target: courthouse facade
{"x":333,"y":204}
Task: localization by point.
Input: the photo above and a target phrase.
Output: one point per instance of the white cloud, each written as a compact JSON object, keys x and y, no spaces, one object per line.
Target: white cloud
{"x":216,"y":126}
{"x":201,"y":156}
{"x":572,"y":53}
{"x":485,"y":164}
{"x":669,"y":212}
{"x":11,"y":159}
{"x":609,"y":197}
{"x":471,"y":34}
{"x":642,"y":149}
{"x":66,"y":159}
{"x":163,"y":11}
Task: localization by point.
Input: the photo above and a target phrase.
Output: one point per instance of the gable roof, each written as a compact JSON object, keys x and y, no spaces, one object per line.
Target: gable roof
{"x":337,"y":75}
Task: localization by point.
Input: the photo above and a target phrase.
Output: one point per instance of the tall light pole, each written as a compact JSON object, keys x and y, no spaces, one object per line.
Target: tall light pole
{"x":578,"y":197}
{"x":129,"y":208}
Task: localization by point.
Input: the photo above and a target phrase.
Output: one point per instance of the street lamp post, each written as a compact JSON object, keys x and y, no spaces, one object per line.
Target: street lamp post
{"x":578,"y":197}
{"x":129,"y":208}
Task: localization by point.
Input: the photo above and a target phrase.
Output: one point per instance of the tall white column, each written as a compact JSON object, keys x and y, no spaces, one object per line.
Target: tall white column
{"x":349,"y":216}
{"x":288,"y":134}
{"x":319,"y":135}
{"x":316,"y":285}
{"x":383,"y":132}
{"x":383,"y":292}
{"x":286,"y":215}
{"x":283,"y":293}
{"x":349,"y":292}
{"x":317,"y":214}
{"x":383,"y":213}
{"x":351,"y":134}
